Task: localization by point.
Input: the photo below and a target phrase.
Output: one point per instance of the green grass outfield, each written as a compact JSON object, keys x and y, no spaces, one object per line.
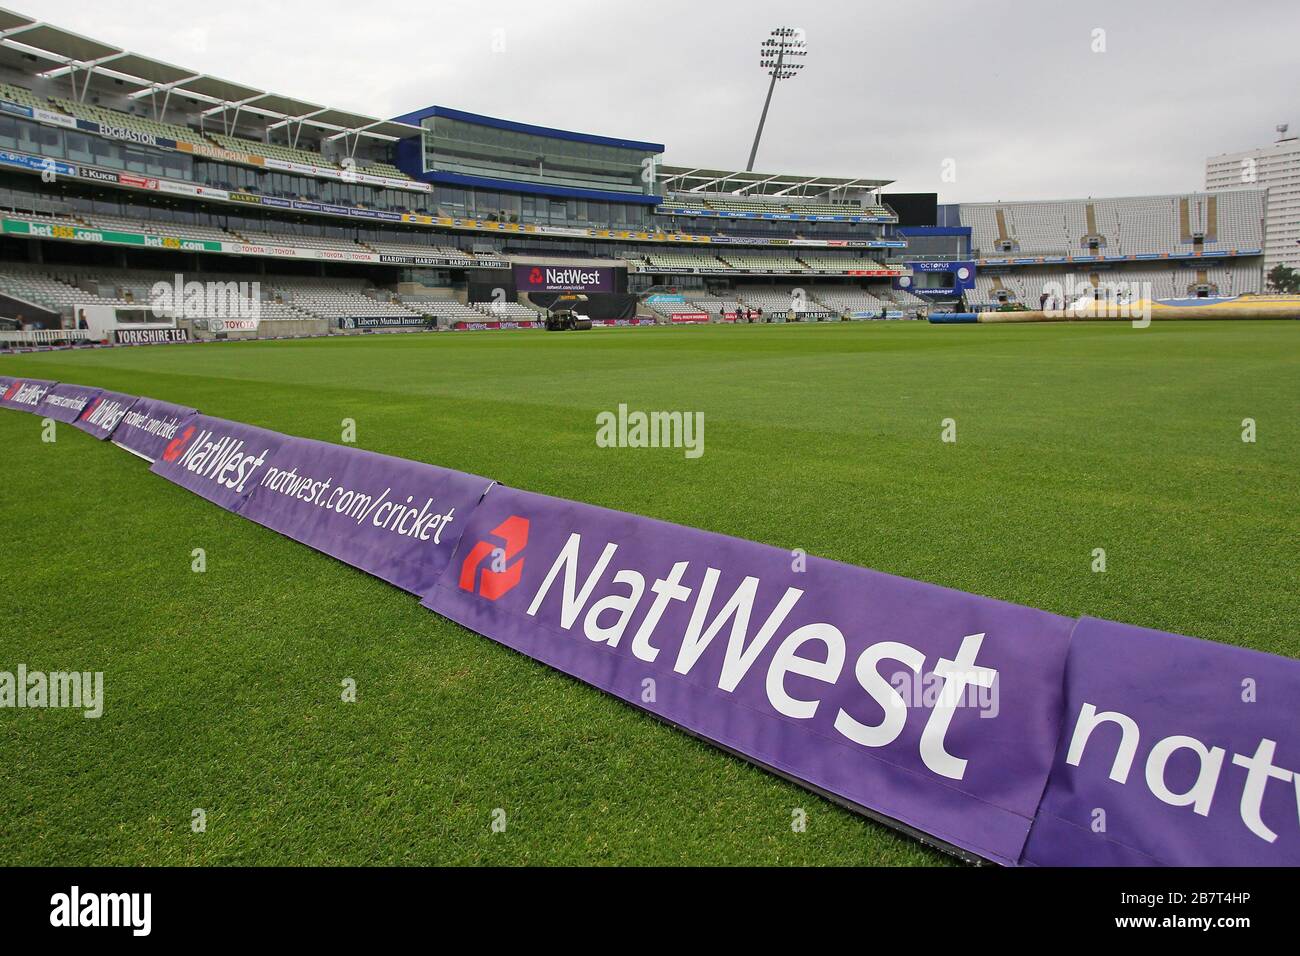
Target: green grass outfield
{"x":222,"y":689}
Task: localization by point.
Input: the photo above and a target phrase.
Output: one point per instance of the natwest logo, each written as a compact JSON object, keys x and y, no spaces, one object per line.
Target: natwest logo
{"x":26,"y":394}
{"x":177,"y":445}
{"x":104,"y":414}
{"x":501,"y":574}
{"x":562,"y":278}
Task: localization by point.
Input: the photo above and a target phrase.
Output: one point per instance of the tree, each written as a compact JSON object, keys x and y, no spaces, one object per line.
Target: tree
{"x":1283,"y":279}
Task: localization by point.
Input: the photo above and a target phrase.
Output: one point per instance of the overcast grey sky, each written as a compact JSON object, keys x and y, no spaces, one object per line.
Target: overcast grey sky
{"x":1010,"y":90}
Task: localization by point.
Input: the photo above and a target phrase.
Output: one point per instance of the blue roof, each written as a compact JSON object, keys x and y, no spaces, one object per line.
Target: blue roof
{"x":479,"y":120}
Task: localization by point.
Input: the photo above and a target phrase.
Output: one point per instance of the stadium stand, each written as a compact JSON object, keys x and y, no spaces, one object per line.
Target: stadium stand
{"x":288,"y":154}
{"x":506,"y":311}
{"x":22,"y":96}
{"x":117,"y":118}
{"x":50,"y":289}
{"x":381,"y":169}
{"x":155,"y":227}
{"x":148,"y":200}
{"x":761,"y":260}
{"x":778,"y":299}
{"x":1211,"y":222}
{"x":335,"y":299}
{"x":418,"y":249}
{"x":258,"y":237}
{"x":53,"y":219}
{"x":669,"y":309}
{"x":738,"y":259}
{"x":685,"y":261}
{"x":679,"y":203}
{"x":821,"y":262}
{"x":1178,"y":280}
{"x":903,"y":298}
{"x":713,"y":304}
{"x":849,"y":300}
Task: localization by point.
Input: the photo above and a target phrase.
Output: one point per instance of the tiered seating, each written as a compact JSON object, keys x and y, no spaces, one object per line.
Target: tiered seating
{"x":22,"y":96}
{"x":713,"y":304}
{"x":746,"y":205}
{"x":288,"y":154}
{"x":47,"y":288}
{"x":300,"y":241}
{"x":334,"y":299}
{"x":141,"y":124}
{"x":821,"y":262}
{"x":157,"y":227}
{"x":381,"y":169}
{"x":417,"y":249}
{"x":836,"y":209}
{"x":762,"y":260}
{"x":1225,"y":220}
{"x":52,"y":218}
{"x":778,"y":300}
{"x":135,"y":286}
{"x":840,"y":299}
{"x":669,"y":309}
{"x":783,"y":205}
{"x":904,"y":298}
{"x":1167,"y":282}
{"x":445,"y":308}
{"x":674,"y":204}
{"x":668,"y":261}
{"x":505,"y":311}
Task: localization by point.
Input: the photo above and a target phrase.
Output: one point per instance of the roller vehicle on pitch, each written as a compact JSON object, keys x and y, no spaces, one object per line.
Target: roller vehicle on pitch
{"x":564,"y":315}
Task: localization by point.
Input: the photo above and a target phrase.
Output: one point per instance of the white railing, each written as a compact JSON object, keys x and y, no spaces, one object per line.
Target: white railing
{"x":45,"y":336}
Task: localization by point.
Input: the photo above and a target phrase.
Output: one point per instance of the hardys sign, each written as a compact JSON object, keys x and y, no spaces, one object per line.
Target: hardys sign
{"x":564,"y":278}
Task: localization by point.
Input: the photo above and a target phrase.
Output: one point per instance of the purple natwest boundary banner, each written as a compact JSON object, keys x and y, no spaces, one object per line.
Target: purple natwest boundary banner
{"x":1174,"y":751}
{"x":24,"y":394}
{"x":397,"y":519}
{"x":1003,"y":731}
{"x":104,"y":413}
{"x":218,"y":459}
{"x":932,"y":707}
{"x":564,"y":278}
{"x":65,"y":403}
{"x":149,"y":426}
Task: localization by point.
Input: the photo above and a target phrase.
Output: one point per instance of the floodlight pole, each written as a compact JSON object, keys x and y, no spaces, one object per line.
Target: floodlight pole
{"x":780,"y":59}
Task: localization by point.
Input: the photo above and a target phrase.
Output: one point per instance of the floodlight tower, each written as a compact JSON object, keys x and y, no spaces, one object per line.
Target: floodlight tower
{"x":781,"y":54}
